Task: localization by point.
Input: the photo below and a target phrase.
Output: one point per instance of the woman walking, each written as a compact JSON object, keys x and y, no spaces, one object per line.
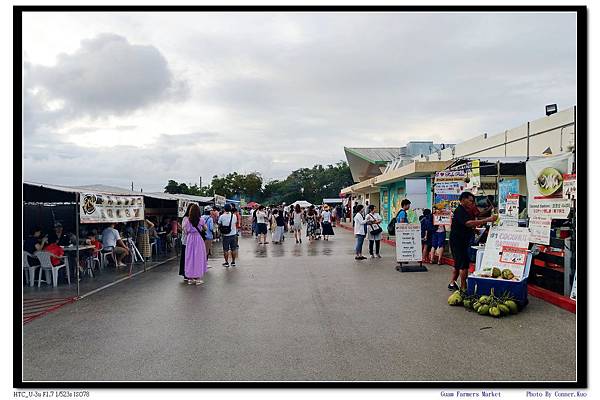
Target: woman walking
{"x":360,"y":231}
{"x":261,"y":225}
{"x":297,"y":218}
{"x":326,"y":219}
{"x":195,"y":249}
{"x":311,"y":223}
{"x":279,"y":227}
{"x":208,"y":221}
{"x":183,"y":242}
{"x":375,"y":231}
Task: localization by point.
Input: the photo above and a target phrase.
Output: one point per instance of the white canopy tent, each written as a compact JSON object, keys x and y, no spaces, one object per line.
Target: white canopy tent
{"x":301,"y":203}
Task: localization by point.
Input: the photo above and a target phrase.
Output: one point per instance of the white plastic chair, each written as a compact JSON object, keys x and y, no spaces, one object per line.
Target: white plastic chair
{"x":30,"y":269}
{"x":104,"y":253}
{"x":47,"y":267}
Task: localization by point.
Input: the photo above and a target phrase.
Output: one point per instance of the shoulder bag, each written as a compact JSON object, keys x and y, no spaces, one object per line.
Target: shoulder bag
{"x":374,"y":231}
{"x":225,"y":230}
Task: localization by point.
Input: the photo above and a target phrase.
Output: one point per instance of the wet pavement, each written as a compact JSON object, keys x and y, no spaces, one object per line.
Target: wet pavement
{"x":295,"y":312}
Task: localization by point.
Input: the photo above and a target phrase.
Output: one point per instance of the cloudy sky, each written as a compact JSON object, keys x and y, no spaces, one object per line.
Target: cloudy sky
{"x":146,"y":97}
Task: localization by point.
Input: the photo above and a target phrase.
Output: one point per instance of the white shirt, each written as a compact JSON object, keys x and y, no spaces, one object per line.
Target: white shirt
{"x":297,"y":218}
{"x":373,"y":217}
{"x":110,"y":237}
{"x":326,"y":216}
{"x":359,"y":224}
{"x":224,"y":221}
{"x":261,"y":217}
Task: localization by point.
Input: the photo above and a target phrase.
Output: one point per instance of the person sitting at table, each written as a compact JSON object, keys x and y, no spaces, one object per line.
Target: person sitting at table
{"x":91,"y":239}
{"x":112,"y":240}
{"x":60,"y":237}
{"x":154,"y":236}
{"x":34,"y":243}
{"x":53,"y":248}
{"x":174,"y":227}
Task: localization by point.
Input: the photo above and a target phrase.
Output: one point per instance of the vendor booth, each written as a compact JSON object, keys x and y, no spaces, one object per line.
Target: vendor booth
{"x":535,"y":199}
{"x":87,"y":205}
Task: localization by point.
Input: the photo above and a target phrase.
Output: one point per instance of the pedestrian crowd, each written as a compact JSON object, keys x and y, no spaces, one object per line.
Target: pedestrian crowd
{"x":469,"y":226}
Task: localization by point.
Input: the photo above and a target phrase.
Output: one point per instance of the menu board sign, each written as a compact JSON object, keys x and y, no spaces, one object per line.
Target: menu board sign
{"x":408,"y":242}
{"x":511,"y":212}
{"x":539,"y":228}
{"x":553,"y":208}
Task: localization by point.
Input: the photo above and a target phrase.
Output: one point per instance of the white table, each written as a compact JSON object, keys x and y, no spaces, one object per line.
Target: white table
{"x":73,"y":248}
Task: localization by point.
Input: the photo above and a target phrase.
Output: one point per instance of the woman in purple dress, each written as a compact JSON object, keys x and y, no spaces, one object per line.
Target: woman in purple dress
{"x":195,"y":250}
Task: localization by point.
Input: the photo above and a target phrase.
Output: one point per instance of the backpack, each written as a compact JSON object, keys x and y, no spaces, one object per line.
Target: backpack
{"x":391,"y":228}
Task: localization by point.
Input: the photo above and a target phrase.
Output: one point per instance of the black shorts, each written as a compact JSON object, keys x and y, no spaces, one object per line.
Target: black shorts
{"x":460,"y":254}
{"x":230,"y":243}
{"x":262,"y":229}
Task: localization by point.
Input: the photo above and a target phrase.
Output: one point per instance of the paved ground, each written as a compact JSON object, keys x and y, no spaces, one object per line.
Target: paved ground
{"x":295,"y":312}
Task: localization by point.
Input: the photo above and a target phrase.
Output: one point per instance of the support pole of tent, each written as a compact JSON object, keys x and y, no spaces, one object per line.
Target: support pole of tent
{"x":497,"y":183}
{"x":527,"y":141}
{"x":148,"y":233}
{"x":77,"y":234}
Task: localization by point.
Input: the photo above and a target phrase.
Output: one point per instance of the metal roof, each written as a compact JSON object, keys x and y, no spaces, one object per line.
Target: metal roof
{"x":375,"y":154}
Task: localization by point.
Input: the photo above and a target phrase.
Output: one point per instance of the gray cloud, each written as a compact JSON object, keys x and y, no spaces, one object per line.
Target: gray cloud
{"x":291,"y":90}
{"x":106,"y":76}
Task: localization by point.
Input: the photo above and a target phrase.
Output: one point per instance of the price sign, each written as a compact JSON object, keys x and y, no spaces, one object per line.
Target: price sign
{"x":408,"y":242}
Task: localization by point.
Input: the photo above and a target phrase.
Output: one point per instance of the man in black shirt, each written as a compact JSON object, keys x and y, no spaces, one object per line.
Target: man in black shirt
{"x":461,"y":233}
{"x":59,"y":236}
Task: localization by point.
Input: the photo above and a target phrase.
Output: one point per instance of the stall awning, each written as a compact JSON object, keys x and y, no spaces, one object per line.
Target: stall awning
{"x":414,"y":169}
{"x":190,"y":197}
{"x":489,"y":165}
{"x":36,"y":192}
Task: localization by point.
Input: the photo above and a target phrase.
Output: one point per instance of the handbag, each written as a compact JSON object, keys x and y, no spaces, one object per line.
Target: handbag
{"x":202,"y":233}
{"x":375,"y":231}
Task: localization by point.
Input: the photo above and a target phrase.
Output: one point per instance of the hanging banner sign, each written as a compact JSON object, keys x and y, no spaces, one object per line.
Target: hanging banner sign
{"x":511,"y":211}
{"x":99,"y":208}
{"x":499,"y":238}
{"x":442,"y":218}
{"x":408,"y":242}
{"x":182,"y":206}
{"x":545,"y":177}
{"x":553,"y":208}
{"x":450,"y":176}
{"x":449,"y":187}
{"x":506,"y":187}
{"x":569,"y":186}
{"x":220,"y":200}
{"x":539,"y":228}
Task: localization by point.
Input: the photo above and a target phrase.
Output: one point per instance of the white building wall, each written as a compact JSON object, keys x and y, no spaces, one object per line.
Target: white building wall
{"x":555,"y":131}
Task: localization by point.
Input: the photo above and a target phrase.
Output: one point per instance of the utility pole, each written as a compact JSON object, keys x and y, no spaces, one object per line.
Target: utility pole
{"x":200,"y":182}
{"x":132,"y":186}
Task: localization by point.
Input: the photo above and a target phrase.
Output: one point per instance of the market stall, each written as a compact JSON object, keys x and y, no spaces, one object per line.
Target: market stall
{"x":88,"y":205}
{"x":531,"y":248}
